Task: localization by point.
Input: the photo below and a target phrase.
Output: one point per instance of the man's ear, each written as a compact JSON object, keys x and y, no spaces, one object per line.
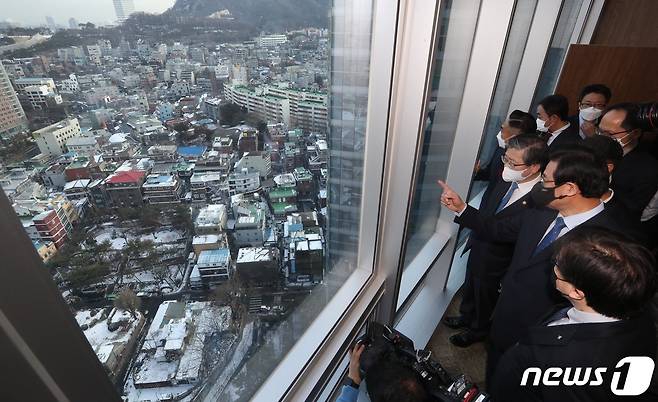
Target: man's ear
{"x":576,"y":294}
{"x":536,"y":168}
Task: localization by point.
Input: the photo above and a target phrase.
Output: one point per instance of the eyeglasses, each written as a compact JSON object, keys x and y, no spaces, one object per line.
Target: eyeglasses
{"x":596,"y":105}
{"x":555,"y":277}
{"x":608,"y":133}
{"x":508,"y":162}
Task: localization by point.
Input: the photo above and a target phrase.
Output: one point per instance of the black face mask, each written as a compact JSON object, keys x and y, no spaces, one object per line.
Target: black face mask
{"x":541,"y":195}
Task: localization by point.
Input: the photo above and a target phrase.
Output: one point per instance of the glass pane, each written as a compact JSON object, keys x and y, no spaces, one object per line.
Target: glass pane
{"x":457,"y":21}
{"x":514,"y":48}
{"x":557,"y":50}
{"x":195,"y":190}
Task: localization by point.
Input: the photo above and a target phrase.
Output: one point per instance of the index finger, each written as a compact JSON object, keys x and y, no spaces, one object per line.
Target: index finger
{"x":443,"y":185}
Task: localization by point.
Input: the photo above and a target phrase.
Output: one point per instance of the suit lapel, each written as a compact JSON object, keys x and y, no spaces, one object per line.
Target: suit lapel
{"x":539,"y":226}
{"x":516,"y":206}
{"x":496,"y":196}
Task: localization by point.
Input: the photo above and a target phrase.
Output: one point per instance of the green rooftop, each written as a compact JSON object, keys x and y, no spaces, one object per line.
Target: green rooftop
{"x":283,"y":192}
{"x":281,"y":208}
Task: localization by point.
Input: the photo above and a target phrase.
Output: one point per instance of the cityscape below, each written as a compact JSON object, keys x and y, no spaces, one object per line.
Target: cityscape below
{"x":174,"y":178}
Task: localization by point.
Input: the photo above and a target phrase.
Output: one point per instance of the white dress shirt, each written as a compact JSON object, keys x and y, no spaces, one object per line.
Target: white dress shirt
{"x":580,"y":125}
{"x":555,"y":133}
{"x":572,"y":221}
{"x":575,"y":316}
{"x":522,"y":190}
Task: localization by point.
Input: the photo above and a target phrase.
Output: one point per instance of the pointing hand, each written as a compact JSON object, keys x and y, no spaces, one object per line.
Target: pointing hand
{"x":450,"y":199}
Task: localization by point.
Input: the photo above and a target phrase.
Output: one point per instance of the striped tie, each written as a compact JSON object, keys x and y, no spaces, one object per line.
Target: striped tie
{"x":507,"y":196}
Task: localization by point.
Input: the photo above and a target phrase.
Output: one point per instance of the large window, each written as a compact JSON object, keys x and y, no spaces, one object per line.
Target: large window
{"x":205,"y":204}
{"x":514,"y":48}
{"x":455,"y":32}
{"x":558,"y":48}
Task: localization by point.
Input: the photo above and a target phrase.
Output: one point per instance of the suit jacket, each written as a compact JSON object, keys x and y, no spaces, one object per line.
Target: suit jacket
{"x":490,"y":258}
{"x":527,"y":289}
{"x":569,"y":136}
{"x":573,"y":345}
{"x":635,"y":181}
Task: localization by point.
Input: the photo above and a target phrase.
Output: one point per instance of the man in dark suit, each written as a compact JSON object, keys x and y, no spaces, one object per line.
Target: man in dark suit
{"x":609,"y":282}
{"x":572,"y":184}
{"x":553,"y":122}
{"x":592,"y":101}
{"x":635,"y":179}
{"x":607,"y":149}
{"x":518,"y":122}
{"x":524,"y":159}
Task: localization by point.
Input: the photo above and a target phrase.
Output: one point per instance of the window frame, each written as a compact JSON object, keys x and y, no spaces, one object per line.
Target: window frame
{"x":315,"y":354}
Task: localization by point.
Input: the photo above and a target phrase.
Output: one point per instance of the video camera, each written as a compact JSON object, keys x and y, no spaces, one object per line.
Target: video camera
{"x":385,"y":343}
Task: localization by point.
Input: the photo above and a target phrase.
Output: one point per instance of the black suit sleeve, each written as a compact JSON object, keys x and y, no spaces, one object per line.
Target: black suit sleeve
{"x":493,"y":229}
{"x":644,"y":188}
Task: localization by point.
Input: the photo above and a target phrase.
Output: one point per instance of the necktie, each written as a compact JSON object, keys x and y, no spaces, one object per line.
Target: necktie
{"x":507,"y":196}
{"x":558,"y":315}
{"x":551,"y":236}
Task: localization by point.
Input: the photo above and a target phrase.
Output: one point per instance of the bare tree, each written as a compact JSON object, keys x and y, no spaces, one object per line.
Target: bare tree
{"x":128,"y":300}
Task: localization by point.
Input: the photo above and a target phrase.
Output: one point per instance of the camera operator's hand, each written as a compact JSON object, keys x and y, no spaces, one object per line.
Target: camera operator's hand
{"x":355,"y":354}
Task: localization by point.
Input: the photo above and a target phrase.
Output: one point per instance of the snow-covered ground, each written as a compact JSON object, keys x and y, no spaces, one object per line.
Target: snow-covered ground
{"x":164,"y":374}
{"x":118,"y":237}
{"x":88,"y":317}
{"x":107,"y":344}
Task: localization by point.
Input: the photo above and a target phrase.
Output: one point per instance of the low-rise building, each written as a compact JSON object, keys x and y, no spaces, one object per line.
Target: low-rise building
{"x":83,"y":145}
{"x":162,"y":189}
{"x":305,"y":183}
{"x":52,"y":139}
{"x":26,"y":82}
{"x":124,"y":188}
{"x":243,"y":181}
{"x":77,"y":189}
{"x":46,"y":249}
{"x":258,"y":265}
{"x":41,"y":97}
{"x":97,"y":195}
{"x":204,"y":185}
{"x":51,"y":228}
{"x":214,"y":265}
{"x":260,"y":162}
{"x":211,"y":107}
{"x":248,"y":141}
{"x":223,"y":145}
{"x":250,"y":230}
{"x":212,"y":219}
{"x":209,"y":242}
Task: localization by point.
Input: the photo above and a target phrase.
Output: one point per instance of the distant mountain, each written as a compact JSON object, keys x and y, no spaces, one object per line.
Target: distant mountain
{"x":264,"y":15}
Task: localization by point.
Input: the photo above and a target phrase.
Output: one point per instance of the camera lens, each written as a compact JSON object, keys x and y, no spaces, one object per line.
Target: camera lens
{"x":648,"y":115}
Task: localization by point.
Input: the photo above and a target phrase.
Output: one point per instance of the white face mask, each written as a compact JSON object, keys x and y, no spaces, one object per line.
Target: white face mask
{"x":620,"y":140}
{"x":590,"y":113}
{"x":541,"y":125}
{"x":501,"y":141}
{"x":510,"y":175}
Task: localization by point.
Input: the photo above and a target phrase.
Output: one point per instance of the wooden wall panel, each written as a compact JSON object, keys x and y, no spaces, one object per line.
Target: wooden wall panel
{"x":627,"y":23}
{"x":630,"y":72}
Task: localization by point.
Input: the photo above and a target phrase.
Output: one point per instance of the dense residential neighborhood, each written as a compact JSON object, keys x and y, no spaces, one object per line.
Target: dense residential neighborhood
{"x":176,"y":190}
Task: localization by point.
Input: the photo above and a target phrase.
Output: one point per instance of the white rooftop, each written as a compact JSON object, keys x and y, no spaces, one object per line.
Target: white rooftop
{"x":205,"y":239}
{"x":254,"y":254}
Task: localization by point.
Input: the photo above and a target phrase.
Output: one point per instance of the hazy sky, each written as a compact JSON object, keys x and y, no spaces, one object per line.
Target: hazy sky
{"x":98,"y":11}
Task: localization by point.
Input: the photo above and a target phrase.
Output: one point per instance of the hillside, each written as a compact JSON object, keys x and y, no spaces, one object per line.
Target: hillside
{"x":265,"y":15}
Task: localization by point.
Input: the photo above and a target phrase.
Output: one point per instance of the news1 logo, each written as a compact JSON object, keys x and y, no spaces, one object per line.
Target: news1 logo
{"x":631,"y":376}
